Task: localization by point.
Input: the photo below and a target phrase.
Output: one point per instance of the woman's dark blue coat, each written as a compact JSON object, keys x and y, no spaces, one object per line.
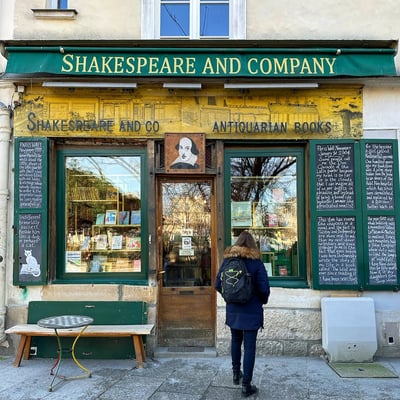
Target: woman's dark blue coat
{"x":248,"y":316}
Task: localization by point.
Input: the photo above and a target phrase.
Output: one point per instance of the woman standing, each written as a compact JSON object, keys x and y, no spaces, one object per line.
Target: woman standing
{"x":245,"y":319}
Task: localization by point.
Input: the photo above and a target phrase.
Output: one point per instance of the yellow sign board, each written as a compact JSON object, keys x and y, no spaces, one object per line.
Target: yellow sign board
{"x":220,"y":114}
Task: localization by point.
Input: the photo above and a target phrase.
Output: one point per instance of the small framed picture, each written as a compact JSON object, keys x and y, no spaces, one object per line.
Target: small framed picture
{"x":185,"y":153}
{"x":111,"y":217}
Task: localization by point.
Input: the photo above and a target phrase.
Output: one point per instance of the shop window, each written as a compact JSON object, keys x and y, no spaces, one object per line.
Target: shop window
{"x":193,"y":19}
{"x":102,"y":217}
{"x":266,"y":197}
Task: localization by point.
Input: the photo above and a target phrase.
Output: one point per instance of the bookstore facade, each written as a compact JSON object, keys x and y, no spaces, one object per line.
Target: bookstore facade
{"x":135,"y":168}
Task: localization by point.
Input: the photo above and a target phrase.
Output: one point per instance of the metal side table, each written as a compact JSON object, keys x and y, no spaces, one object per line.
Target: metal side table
{"x":66,"y":322}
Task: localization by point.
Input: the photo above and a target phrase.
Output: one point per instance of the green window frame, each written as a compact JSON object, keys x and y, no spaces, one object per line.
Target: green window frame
{"x":111,"y":250}
{"x":355,"y":240}
{"x":295,"y":280}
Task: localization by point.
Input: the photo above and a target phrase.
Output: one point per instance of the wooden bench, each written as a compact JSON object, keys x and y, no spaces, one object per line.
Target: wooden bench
{"x":112,"y":320}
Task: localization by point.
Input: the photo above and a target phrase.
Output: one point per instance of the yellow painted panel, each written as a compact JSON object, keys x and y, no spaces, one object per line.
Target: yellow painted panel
{"x":224,"y":114}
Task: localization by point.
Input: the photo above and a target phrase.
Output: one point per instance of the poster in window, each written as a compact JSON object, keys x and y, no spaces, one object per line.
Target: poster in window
{"x":241,"y":213}
{"x":185,"y":153}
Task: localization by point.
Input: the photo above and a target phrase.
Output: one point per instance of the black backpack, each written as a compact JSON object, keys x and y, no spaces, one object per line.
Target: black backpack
{"x":236,"y":281}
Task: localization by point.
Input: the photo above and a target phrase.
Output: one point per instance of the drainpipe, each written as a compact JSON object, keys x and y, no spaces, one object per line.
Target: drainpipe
{"x":5,"y":137}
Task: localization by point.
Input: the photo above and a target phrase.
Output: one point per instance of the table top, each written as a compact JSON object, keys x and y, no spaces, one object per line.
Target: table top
{"x":65,"y":321}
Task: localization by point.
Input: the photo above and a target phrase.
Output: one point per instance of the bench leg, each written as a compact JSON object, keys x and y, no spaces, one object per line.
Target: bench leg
{"x":139,"y":350}
{"x":27,"y":351}
{"x":24,"y":343}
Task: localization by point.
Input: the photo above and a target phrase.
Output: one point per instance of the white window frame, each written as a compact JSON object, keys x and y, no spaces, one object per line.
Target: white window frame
{"x":151,"y":20}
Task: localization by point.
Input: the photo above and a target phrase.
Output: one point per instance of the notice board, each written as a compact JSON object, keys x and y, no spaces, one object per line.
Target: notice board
{"x":354,"y":221}
{"x":31,"y":188}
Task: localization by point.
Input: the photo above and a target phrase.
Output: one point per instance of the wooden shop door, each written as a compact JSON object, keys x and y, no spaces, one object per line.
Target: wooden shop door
{"x":186,"y":304}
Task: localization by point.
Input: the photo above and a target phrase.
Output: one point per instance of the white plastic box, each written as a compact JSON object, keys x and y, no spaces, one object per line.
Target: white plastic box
{"x":349,"y":329}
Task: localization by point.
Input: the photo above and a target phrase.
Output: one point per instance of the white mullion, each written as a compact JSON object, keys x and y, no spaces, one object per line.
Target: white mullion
{"x":194,"y":19}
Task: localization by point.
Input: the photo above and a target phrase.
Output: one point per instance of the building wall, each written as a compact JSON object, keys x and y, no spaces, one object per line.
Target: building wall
{"x":322,"y":20}
{"x":292,"y":317}
{"x":108,"y":22}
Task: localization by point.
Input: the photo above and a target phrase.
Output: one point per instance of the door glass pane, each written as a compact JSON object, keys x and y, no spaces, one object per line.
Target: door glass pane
{"x":186,"y":233}
{"x":214,"y":19}
{"x":103,"y":214}
{"x":264,"y":201}
{"x":175,"y":19}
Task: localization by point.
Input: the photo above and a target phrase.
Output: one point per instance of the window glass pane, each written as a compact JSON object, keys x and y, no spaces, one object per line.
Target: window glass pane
{"x":103,"y":214}
{"x":186,"y":233}
{"x":63,"y":4}
{"x":264,"y":201}
{"x":175,"y":19}
{"x":214,"y":19}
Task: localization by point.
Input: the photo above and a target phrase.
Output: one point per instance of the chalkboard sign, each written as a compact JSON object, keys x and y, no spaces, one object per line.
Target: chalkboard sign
{"x":379,"y":176}
{"x":30,"y":247}
{"x":31,"y":208}
{"x":337,"y":250}
{"x":335,"y":188}
{"x":382,"y":250}
{"x":30,"y":178}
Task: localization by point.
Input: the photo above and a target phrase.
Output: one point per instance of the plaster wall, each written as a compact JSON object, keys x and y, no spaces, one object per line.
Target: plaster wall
{"x":114,"y":20}
{"x":380,"y":108}
{"x":322,"y":20}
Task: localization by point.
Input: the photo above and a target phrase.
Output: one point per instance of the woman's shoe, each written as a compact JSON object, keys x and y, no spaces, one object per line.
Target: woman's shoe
{"x":248,"y":390}
{"x":237,"y":376}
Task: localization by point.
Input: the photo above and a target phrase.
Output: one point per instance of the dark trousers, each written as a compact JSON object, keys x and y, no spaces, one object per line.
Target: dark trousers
{"x":248,"y":338}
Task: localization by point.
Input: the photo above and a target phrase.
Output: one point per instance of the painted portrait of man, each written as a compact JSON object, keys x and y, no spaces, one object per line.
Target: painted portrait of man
{"x":184,"y":153}
{"x":187,"y":154}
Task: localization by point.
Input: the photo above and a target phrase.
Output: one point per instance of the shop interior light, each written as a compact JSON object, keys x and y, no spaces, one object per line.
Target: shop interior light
{"x":182,"y":85}
{"x":294,"y":85}
{"x":112,"y":85}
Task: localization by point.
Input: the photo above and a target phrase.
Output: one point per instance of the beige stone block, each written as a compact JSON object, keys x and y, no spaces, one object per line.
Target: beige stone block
{"x":292,"y":324}
{"x":80,"y":292}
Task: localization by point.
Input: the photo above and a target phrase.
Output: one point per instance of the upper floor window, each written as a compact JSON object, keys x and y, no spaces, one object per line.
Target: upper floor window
{"x":193,"y":19}
{"x":59,"y":4}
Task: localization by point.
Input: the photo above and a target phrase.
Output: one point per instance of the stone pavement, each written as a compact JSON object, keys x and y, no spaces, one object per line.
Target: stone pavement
{"x":278,"y":378}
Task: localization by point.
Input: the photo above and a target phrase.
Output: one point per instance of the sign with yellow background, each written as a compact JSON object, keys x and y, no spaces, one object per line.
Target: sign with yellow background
{"x":149,"y":112}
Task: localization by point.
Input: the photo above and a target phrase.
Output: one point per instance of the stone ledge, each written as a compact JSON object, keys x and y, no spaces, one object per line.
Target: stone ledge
{"x":54,"y":13}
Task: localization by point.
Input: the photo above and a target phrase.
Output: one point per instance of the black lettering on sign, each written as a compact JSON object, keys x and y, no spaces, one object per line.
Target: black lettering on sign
{"x":30,"y":245}
{"x":379,"y":174}
{"x":337,"y":250}
{"x":30,"y":160}
{"x":335,"y":176}
{"x":382,"y":250}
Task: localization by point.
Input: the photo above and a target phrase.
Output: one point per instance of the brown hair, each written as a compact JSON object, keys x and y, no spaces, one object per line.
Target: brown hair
{"x":245,"y":239}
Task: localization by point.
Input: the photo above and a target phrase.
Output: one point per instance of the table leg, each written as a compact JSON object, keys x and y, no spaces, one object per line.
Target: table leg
{"x":88,"y":373}
{"x":57,"y":363}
